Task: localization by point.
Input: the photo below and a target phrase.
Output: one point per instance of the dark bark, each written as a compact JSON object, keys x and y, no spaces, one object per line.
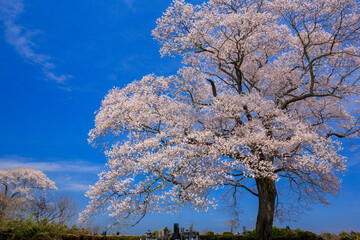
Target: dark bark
{"x":267,"y":196}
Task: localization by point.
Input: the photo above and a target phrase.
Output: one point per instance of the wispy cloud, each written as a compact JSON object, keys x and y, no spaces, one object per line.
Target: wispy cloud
{"x":72,"y":175}
{"x":76,"y":187}
{"x":20,"y":38}
{"x":353,"y":161}
{"x":129,"y":3}
{"x":14,"y":161}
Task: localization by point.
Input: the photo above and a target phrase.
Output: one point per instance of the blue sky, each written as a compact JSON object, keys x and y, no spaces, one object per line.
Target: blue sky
{"x":58,"y":59}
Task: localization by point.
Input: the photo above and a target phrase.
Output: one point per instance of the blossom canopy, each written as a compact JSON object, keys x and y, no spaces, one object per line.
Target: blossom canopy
{"x":266,"y":90}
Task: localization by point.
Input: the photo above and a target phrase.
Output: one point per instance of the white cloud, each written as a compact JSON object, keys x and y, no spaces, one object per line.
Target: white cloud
{"x":76,"y":187}
{"x":71,"y":175}
{"x":20,"y":38}
{"x":59,"y":79}
{"x":79,"y":166}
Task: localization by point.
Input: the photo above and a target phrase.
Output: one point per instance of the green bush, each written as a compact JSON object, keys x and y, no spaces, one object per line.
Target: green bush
{"x":344,"y":236}
{"x":351,"y":236}
{"x":288,"y":234}
{"x":28,"y":229}
{"x":69,"y":237}
{"x":226,"y":237}
{"x":123,"y":237}
{"x":329,"y":236}
{"x":277,"y":234}
{"x":99,"y":237}
{"x":306,"y":235}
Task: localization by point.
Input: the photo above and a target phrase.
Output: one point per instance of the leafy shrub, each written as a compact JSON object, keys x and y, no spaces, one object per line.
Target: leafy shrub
{"x":329,"y":236}
{"x":69,"y":237}
{"x":298,"y":234}
{"x":227,"y":233}
{"x":28,"y":229}
{"x":351,"y":236}
{"x":306,"y":235}
{"x":94,"y":237}
{"x":344,"y":236}
{"x":226,"y":237}
{"x":123,"y":237}
{"x":278,"y":234}
{"x":99,"y":237}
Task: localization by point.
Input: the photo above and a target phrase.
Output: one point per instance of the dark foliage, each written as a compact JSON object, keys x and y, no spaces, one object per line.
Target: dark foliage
{"x":98,"y":237}
{"x":29,"y":229}
{"x":277,"y":234}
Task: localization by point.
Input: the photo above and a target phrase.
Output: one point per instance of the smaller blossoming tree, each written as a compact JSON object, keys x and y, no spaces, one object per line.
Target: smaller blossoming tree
{"x":18,"y":187}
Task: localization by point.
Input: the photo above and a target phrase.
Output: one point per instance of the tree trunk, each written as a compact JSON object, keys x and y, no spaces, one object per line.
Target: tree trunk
{"x":267,"y":196}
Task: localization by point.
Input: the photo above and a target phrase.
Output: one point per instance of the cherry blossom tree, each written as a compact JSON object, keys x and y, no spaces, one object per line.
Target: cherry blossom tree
{"x":18,"y":187}
{"x":267,"y":89}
